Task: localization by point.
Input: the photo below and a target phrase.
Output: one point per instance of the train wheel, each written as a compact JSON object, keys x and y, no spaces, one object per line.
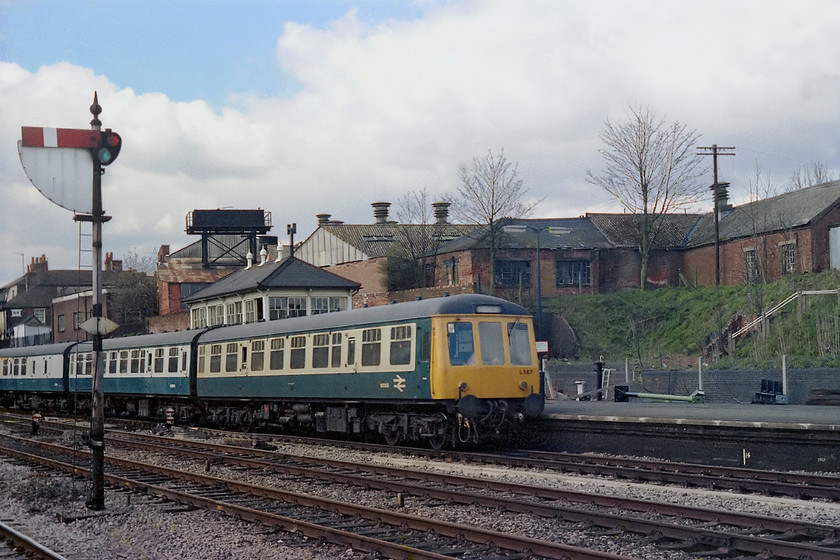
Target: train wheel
{"x":437,"y":441}
{"x":393,"y":436}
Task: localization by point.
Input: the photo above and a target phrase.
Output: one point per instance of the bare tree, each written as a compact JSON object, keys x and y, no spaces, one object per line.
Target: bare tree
{"x":419,"y":238}
{"x":813,"y":173}
{"x":652,"y":169}
{"x":491,"y":190}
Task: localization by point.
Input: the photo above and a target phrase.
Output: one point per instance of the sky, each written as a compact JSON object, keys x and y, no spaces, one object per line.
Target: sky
{"x":301,"y":107}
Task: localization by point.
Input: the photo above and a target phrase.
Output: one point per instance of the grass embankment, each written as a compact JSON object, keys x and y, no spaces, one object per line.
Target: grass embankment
{"x":673,"y":326}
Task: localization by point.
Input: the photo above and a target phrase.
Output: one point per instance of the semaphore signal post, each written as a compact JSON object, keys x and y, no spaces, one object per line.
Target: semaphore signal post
{"x":59,"y":162}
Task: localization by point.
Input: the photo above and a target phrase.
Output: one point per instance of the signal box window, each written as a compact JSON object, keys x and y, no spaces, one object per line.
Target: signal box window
{"x":490,"y":340}
{"x":461,"y":346}
{"x":520,"y":344}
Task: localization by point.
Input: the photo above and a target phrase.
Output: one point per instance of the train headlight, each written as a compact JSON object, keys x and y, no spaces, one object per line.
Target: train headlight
{"x":524,"y":385}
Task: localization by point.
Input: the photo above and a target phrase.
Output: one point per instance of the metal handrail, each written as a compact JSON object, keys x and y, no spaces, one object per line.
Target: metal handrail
{"x":767,"y":314}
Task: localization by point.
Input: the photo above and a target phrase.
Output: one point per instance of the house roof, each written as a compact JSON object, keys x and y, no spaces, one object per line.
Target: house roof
{"x":288,"y":273}
{"x":375,"y":240}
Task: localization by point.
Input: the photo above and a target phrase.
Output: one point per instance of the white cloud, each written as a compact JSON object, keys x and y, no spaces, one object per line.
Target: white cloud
{"x":382,"y":109}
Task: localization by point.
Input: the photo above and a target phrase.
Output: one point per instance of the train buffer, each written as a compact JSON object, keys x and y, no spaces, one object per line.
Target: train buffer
{"x":623,"y":394}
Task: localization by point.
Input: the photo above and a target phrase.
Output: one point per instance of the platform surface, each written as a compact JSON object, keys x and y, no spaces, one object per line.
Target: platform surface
{"x":802,"y":417}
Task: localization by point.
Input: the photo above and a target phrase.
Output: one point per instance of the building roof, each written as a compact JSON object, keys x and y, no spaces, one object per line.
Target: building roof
{"x":288,"y":273}
{"x":624,"y":230}
{"x":555,"y":233}
{"x":779,"y":213}
{"x":376,"y":240}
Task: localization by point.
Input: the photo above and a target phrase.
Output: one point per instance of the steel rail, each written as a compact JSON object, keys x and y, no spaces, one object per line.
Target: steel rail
{"x":352,"y":473}
{"x":339,"y":472}
{"x":29,"y":547}
{"x":478,"y":535}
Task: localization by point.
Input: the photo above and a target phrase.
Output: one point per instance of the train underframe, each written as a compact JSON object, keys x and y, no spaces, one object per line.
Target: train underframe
{"x":435,"y":424}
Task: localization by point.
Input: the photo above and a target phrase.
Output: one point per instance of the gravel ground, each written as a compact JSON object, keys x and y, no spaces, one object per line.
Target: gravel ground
{"x":140,"y":527}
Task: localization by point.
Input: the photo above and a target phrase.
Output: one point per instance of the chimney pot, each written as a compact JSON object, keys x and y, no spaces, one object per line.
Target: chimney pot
{"x":380,"y":212}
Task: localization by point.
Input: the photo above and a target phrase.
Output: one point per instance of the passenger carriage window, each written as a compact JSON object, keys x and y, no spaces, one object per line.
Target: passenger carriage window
{"x":230,"y":357}
{"x":202,"y":351}
{"x":425,"y":346}
{"x":371,"y":347}
{"x":320,"y":350}
{"x":297,"y":354}
{"x":23,"y":366}
{"x":351,"y":350}
{"x":490,"y":342}
{"x":215,"y":358}
{"x":257,"y":355}
{"x":183,"y":361}
{"x":173,"y":359}
{"x":276,"y":357}
{"x":123,"y":361}
{"x":336,"y":350}
{"x":158,"y":360}
{"x":520,"y":344}
{"x":112,"y":362}
{"x":400,"y":345}
{"x":88,"y":364}
{"x":135,"y":361}
{"x":461,"y":346}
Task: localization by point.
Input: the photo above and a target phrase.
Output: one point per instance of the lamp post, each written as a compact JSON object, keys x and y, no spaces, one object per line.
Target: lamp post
{"x":538,"y":230}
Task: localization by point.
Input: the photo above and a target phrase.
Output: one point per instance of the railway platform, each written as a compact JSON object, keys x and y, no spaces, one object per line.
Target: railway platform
{"x":762,"y":436}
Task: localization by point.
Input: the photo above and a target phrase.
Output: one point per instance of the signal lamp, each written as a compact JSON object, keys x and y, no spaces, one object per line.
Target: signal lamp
{"x":109,"y":147}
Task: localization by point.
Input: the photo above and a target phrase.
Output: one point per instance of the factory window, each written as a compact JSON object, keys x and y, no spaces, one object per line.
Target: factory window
{"x":451,"y":272}
{"x":490,"y":342}
{"x":60,"y":322}
{"x":77,"y":320}
{"x":336,"y":350}
{"x":276,"y":356}
{"x":234,"y":313}
{"x":173,"y":359}
{"x":297,"y":352}
{"x":520,"y":344}
{"x":513,"y":273}
{"x":215,"y":358}
{"x":199,"y":318}
{"x":788,"y":257}
{"x":461,"y":346}
{"x":158,"y":360}
{"x":371,"y":347}
{"x":320,"y":350}
{"x":751,"y":264}
{"x":400,"y":345}
{"x":40,"y":314}
{"x":574,"y":273}
{"x":257,"y":355}
{"x":230,"y":357}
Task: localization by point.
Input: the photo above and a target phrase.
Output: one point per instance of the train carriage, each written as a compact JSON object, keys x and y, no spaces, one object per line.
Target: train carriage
{"x":423,"y":370}
{"x":140,"y":371}
{"x":27,"y":372}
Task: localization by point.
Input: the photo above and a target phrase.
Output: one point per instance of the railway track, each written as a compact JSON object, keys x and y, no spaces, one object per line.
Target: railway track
{"x":19,"y":546}
{"x":707,"y":530}
{"x":392,"y":534}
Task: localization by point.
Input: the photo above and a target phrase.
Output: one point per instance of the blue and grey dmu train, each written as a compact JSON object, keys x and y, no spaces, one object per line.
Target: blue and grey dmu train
{"x":442,"y":371}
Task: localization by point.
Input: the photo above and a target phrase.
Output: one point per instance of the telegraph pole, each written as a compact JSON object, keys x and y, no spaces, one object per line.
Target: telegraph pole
{"x":714,"y":150}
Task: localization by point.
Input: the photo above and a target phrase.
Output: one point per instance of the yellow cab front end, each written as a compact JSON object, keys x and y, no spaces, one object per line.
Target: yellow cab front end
{"x":487,"y":363}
